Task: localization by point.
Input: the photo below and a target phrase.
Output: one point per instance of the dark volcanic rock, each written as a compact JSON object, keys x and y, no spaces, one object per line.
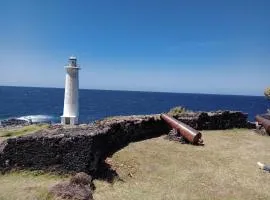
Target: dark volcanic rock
{"x":218,"y":120}
{"x":13,"y":122}
{"x":81,"y":148}
{"x":79,"y":188}
{"x":251,"y":125}
{"x":175,"y":136}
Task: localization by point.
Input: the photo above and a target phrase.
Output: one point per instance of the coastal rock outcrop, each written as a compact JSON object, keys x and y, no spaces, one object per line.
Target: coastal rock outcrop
{"x":13,"y":122}
{"x":85,"y":147}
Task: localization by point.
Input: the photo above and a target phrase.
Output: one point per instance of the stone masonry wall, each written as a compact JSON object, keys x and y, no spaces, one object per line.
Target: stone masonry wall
{"x":78,"y":149}
{"x":83,"y":148}
{"x":218,"y":120}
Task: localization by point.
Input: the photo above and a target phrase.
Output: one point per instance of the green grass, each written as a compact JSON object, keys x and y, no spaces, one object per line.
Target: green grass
{"x":22,"y":130}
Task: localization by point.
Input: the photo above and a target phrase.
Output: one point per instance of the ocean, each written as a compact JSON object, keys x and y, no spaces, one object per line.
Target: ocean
{"x":47,"y":103}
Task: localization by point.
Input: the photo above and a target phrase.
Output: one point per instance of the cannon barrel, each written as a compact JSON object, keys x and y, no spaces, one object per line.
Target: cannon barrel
{"x":186,"y":131}
{"x":264,"y":122}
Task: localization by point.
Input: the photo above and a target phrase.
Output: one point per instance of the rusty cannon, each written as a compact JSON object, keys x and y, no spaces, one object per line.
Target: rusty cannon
{"x":263,"y":121}
{"x":190,"y":134}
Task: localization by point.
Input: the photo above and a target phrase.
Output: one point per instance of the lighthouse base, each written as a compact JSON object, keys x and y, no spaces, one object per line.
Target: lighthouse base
{"x":69,"y":120}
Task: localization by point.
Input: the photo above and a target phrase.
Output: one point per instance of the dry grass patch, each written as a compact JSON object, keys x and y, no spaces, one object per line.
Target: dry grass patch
{"x":26,"y":185}
{"x":225,"y":168}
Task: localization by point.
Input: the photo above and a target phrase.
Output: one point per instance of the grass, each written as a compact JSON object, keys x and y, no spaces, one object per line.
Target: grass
{"x":22,"y":130}
{"x":27,"y":185}
{"x":225,"y":168}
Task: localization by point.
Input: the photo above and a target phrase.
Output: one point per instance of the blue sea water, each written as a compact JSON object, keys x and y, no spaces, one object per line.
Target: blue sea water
{"x":97,"y":104}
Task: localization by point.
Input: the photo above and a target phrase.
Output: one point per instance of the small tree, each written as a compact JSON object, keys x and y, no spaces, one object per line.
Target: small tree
{"x":267,"y":93}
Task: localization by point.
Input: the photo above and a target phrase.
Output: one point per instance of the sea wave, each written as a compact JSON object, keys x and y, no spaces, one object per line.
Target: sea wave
{"x":38,"y":118}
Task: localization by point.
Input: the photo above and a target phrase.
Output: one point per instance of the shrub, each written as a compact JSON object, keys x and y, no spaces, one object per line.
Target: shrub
{"x":267,"y":92}
{"x":176,"y":111}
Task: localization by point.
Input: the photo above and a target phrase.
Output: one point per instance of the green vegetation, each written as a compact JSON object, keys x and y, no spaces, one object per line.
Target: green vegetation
{"x":22,"y":130}
{"x":267,"y":95}
{"x":176,"y":111}
{"x":267,"y":92}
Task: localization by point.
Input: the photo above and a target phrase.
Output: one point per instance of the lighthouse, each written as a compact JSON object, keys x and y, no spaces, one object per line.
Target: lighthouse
{"x":71,"y":101}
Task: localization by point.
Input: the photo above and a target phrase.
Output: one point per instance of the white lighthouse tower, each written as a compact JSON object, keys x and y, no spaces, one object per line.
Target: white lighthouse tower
{"x":71,"y":102}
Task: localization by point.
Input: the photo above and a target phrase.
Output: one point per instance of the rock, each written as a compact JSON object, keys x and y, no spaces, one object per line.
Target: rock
{"x":251,"y":125}
{"x":218,"y":120}
{"x":79,"y":188}
{"x":175,"y":136}
{"x":81,"y":179}
{"x":13,"y":122}
{"x":261,"y":130}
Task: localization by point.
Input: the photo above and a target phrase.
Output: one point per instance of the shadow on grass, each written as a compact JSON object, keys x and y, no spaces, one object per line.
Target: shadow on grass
{"x":106,"y":173}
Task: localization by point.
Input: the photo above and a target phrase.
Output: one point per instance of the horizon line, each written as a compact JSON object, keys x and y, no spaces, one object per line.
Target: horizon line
{"x":49,"y":87}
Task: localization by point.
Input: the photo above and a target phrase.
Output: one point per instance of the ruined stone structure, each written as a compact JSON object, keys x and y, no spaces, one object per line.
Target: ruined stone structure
{"x":84,"y":147}
{"x":219,"y":120}
{"x":77,"y":149}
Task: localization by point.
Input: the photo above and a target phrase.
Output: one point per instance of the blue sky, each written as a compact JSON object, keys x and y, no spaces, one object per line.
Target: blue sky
{"x":210,"y":46}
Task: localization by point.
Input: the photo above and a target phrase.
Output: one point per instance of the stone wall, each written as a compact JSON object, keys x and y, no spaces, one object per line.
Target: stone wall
{"x":85,"y":147}
{"x":78,"y":149}
{"x":218,"y":120}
